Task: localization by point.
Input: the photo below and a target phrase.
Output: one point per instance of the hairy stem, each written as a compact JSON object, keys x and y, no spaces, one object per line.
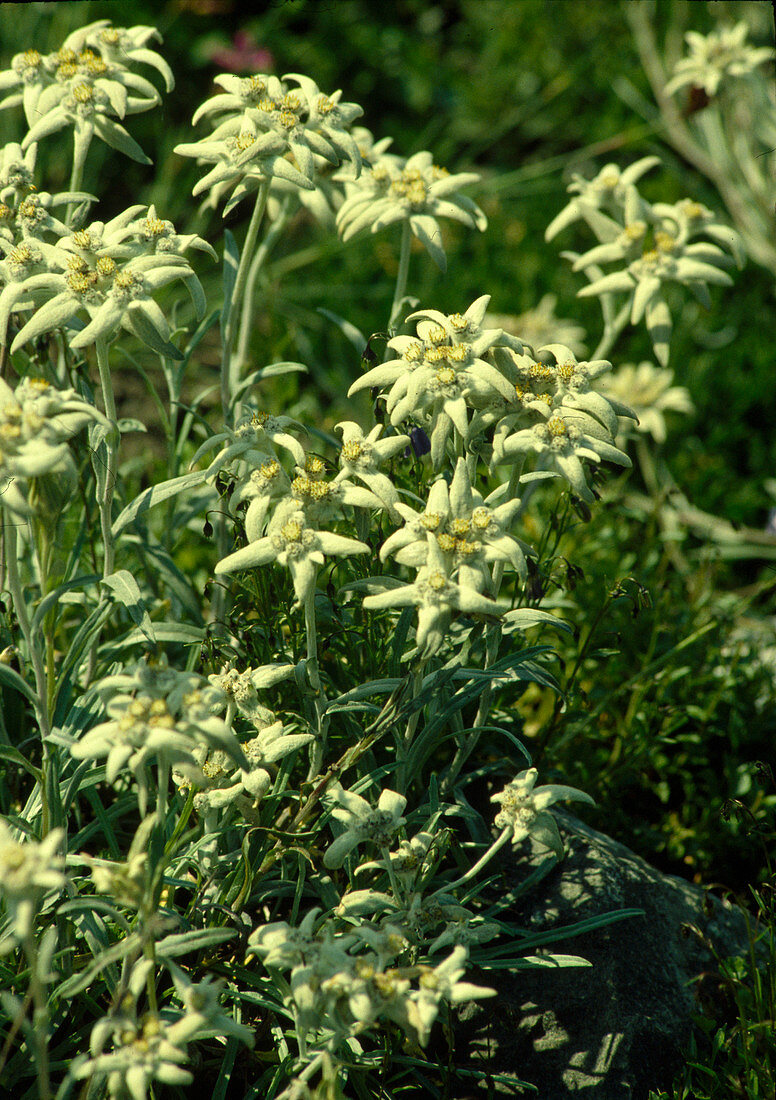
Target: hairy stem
{"x":401,"y":276}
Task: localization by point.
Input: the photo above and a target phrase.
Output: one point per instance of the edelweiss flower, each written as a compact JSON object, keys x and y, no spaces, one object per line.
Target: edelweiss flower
{"x":271,"y":132}
{"x":416,"y":191}
{"x":242,"y":788}
{"x":292,"y":542}
{"x":110,"y":272}
{"x":437,"y":596}
{"x":606,"y":191}
{"x":241,"y":689}
{"x":442,"y":983}
{"x":562,"y":443}
{"x":158,"y":714}
{"x":252,"y":441}
{"x":557,"y":381}
{"x":715,"y":58}
{"x":361,"y":456}
{"x":523,"y":807}
{"x":84,"y":83}
{"x":441,"y":373}
{"x":29,"y":870}
{"x":655,"y":244}
{"x":362,"y":822}
{"x":650,"y":393}
{"x":408,"y":862}
{"x":36,"y":423}
{"x":469,"y":534}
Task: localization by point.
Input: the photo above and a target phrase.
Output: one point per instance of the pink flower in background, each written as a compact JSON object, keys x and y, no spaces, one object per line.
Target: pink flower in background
{"x":245,"y":54}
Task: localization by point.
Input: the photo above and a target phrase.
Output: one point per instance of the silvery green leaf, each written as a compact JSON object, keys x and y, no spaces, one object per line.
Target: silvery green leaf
{"x":174,"y":633}
{"x":181,"y":943}
{"x":126,"y":590}
{"x":55,"y":597}
{"x":12,"y":679}
{"x":118,"y":138}
{"x":156,"y":495}
{"x":52,"y":315}
{"x":139,"y":324}
{"x":522,"y":618}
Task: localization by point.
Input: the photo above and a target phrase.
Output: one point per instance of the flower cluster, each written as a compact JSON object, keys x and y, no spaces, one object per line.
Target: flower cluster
{"x":716,"y":58}
{"x":29,"y":870}
{"x":524,"y":806}
{"x":37,"y":471}
{"x":336,"y":989}
{"x":650,"y":393}
{"x":226,"y":784}
{"x":158,"y":714}
{"x":651,"y":244}
{"x":557,"y":415}
{"x":287,"y":516}
{"x":267,"y":130}
{"x":87,"y":83}
{"x":154,"y":1046}
{"x":107,"y":270}
{"x":415,"y":192}
{"x":440,"y":375}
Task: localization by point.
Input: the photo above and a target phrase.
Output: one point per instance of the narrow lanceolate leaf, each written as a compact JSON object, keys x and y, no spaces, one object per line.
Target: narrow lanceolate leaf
{"x":125,"y":589}
{"x":118,"y":138}
{"x":155,"y":495}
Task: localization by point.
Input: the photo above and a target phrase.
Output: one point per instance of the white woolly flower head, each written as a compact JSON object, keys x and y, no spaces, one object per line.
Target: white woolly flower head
{"x":29,"y":869}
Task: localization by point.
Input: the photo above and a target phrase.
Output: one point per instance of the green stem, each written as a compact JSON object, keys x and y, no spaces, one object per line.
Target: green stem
{"x":319,"y":721}
{"x":40,"y":1019}
{"x":33,"y":648}
{"x":45,"y":548}
{"x":249,"y":305}
{"x":404,"y":743}
{"x":230,"y":371}
{"x":105,"y":500}
{"x":401,"y":276}
{"x":76,"y":175}
{"x":496,"y":846}
{"x":612,"y":332}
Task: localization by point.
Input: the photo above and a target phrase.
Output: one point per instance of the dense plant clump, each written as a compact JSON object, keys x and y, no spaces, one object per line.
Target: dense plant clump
{"x":253,"y":805}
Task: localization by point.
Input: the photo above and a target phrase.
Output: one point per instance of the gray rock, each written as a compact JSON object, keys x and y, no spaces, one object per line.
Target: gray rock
{"x":615,"y":1030}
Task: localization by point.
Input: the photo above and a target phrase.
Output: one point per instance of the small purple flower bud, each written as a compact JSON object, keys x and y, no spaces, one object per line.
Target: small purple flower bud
{"x":421,"y":444}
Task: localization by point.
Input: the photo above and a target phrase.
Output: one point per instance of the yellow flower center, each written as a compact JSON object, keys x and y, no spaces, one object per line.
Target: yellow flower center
{"x":458,"y":353}
{"x":105,"y":266}
{"x":291,"y":531}
{"x":437,"y":580}
{"x":664,"y":242}
{"x":154,"y":227}
{"x":351,"y":451}
{"x":315,"y":466}
{"x":566,"y":371}
{"x":556,"y":427}
{"x":635,"y":231}
{"x":269,"y":470}
{"x":83,"y":93}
